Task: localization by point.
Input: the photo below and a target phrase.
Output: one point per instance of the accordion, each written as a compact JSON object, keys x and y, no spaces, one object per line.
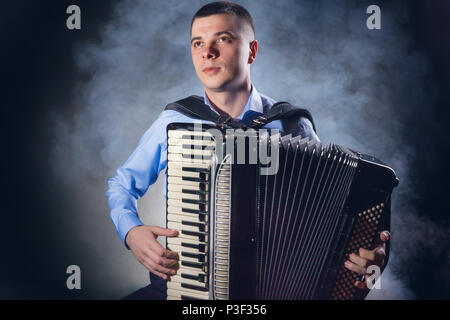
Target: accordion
{"x":262,"y":215}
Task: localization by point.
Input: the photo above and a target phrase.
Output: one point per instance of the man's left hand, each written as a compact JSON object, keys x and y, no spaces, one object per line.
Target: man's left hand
{"x":359,"y":262}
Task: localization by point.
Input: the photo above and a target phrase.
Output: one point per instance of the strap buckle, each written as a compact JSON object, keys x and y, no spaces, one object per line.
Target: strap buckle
{"x":224,"y":118}
{"x":259,"y":120}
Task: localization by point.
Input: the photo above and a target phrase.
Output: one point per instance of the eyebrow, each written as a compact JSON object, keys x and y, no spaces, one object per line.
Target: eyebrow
{"x":231,"y":34}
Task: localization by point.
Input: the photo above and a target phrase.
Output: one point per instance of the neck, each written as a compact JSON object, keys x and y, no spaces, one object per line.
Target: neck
{"x":230,"y":102}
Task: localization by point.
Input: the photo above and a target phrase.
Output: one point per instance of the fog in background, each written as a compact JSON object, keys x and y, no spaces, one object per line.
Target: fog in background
{"x":366,"y":89}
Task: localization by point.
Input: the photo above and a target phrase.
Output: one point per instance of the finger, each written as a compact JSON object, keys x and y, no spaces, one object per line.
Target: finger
{"x":160,"y":264}
{"x":354,"y":267}
{"x":176,"y":268}
{"x":171,"y":254}
{"x":157,"y":248}
{"x":384,"y":236}
{"x":163,"y":231}
{"x":360,"y":285}
{"x":169,"y":263}
{"x":368,"y":254}
{"x":152,"y":270}
{"x":164,"y":262}
{"x":380,"y":253}
{"x":358,"y":260}
{"x":158,"y":254}
{"x":164,"y":270}
{"x":163,"y":252}
{"x":161,"y":275}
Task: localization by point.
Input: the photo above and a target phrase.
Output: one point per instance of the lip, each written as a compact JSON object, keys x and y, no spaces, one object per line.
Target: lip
{"x":211,"y":70}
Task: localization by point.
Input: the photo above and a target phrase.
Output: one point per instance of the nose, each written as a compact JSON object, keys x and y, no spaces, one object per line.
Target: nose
{"x":210,"y":52}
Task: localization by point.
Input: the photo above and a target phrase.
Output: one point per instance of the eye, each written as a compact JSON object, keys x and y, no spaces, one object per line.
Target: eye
{"x":197,"y":44}
{"x":224,"y":39}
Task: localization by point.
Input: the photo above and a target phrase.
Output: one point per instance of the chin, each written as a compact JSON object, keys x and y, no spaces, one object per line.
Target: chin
{"x":214,"y":85}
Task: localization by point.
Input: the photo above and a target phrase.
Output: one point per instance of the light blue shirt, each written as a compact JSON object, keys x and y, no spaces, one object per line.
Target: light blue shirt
{"x":143,"y":167}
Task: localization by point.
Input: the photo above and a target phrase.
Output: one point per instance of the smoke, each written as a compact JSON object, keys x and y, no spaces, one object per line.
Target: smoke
{"x":362,"y":86}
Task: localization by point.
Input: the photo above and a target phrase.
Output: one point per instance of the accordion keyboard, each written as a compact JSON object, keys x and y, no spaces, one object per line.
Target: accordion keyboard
{"x":188,"y":184}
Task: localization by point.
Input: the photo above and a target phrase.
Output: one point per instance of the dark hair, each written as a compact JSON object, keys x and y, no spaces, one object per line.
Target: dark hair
{"x":224,"y":7}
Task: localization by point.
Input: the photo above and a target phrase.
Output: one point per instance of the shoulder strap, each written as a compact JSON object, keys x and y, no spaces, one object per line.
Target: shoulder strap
{"x":194,"y":107}
{"x":282,"y":111}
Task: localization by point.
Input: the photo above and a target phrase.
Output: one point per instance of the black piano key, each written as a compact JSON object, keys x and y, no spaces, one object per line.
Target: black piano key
{"x":194,"y":179}
{"x":200,"y":257}
{"x":190,"y":137}
{"x":199,"y":277}
{"x":199,"y":202}
{"x":194,"y":169}
{"x":201,"y":218}
{"x":189,"y":191}
{"x":197,"y":156}
{"x":201,"y":226}
{"x":191,"y":264}
{"x":201,"y":236}
{"x":200,"y":212}
{"x":200,"y":247}
{"x":197,"y":147}
{"x":193,"y":287}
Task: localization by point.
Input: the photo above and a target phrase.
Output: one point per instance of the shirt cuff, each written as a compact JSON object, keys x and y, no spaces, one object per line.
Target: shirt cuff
{"x":126,"y":223}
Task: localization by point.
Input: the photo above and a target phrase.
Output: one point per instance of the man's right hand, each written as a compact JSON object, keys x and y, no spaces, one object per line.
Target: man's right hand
{"x":147,"y":250}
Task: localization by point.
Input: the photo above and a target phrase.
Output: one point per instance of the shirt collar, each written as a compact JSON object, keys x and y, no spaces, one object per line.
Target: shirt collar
{"x":254,"y":103}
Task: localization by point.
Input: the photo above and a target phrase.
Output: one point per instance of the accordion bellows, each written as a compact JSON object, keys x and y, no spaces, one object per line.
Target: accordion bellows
{"x":247,"y":231}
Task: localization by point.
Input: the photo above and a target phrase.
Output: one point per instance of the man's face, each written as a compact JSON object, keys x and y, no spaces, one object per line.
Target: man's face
{"x":222,"y":51}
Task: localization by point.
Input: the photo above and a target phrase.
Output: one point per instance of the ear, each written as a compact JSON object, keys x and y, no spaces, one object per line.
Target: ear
{"x":253,"y":50}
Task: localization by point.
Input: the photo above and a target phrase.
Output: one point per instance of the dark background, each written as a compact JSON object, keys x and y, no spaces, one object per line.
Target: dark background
{"x":39,"y":71}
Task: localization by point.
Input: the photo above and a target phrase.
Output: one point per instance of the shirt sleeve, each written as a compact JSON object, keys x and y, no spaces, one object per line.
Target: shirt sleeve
{"x":306,"y":129}
{"x":133,"y":178}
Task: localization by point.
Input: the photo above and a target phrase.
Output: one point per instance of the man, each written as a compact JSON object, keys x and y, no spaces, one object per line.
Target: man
{"x":223,"y":47}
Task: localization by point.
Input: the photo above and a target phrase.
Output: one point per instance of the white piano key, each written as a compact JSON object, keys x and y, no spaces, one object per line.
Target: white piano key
{"x":180,"y":249}
{"x":191,"y":270}
{"x":179,"y":226}
{"x":179,"y":158}
{"x":177,"y":278}
{"x":184,"y":217}
{"x":185,"y":188}
{"x":192,"y":259}
{"x":179,"y":211}
{"x":177,"y":286}
{"x":176,"y":294}
{"x":180,"y":165}
{"x":186,"y":151}
{"x":179,"y":203}
{"x":191,"y":237}
{"x":182,"y":195}
{"x":180,"y":181}
{"x":178,"y":241}
{"x":195,"y":142}
{"x":180,"y":133}
{"x":180,"y":173}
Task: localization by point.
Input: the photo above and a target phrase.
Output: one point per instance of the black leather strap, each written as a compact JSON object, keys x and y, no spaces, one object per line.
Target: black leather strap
{"x":194,"y":107}
{"x":282,"y":111}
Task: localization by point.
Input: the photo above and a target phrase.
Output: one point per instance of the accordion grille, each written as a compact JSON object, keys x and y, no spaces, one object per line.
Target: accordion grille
{"x":222,"y":230}
{"x":363,"y":234}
